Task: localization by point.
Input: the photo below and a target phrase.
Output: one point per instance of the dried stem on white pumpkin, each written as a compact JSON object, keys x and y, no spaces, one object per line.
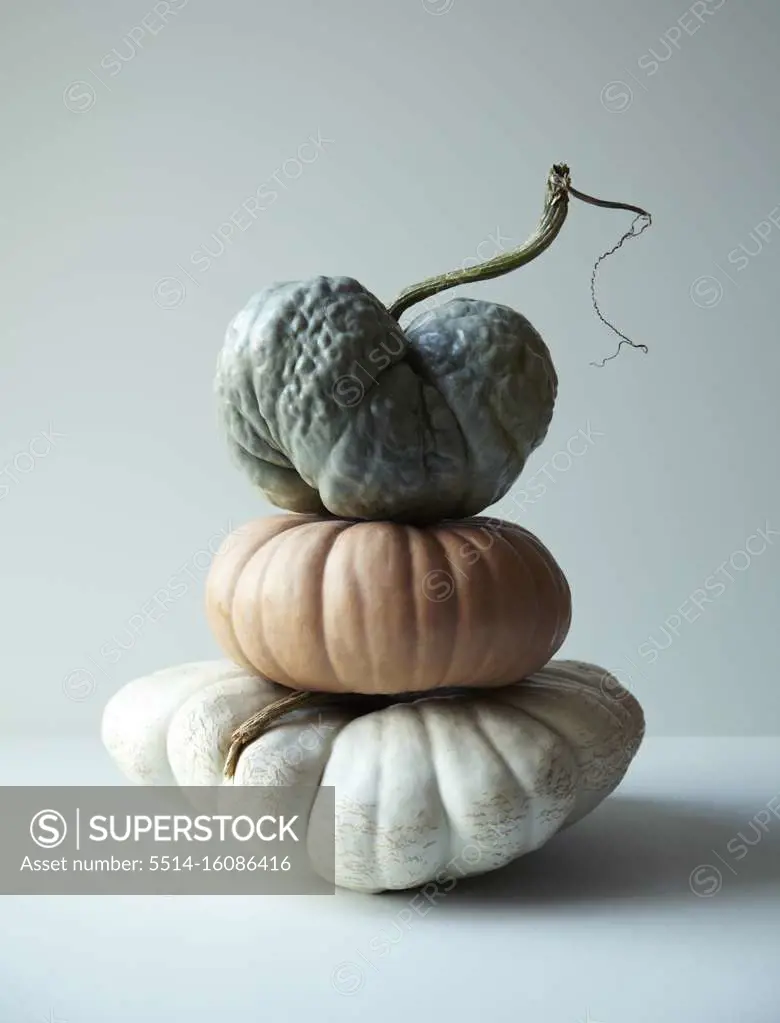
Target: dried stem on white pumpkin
{"x":556,"y":206}
{"x":357,"y":704}
{"x":259,"y":723}
{"x":255,"y":726}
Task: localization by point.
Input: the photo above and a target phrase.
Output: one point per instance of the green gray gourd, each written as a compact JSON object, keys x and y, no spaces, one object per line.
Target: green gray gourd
{"x":330,"y":406}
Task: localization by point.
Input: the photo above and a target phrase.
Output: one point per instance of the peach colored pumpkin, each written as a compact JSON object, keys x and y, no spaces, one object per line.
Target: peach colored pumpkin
{"x":378,"y":607}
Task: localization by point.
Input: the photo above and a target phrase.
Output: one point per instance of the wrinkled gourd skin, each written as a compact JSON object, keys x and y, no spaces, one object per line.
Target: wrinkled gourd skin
{"x":330,"y":406}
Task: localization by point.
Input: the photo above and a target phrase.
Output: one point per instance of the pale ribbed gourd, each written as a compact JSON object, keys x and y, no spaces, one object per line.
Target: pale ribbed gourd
{"x":426,"y":789}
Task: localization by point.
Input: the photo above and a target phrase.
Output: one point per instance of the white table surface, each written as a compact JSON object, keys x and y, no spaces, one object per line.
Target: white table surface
{"x":599,"y":926}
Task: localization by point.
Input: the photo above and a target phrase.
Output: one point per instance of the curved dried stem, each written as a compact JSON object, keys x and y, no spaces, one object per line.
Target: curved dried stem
{"x":556,"y":203}
{"x":556,"y":207}
{"x":258,"y":723}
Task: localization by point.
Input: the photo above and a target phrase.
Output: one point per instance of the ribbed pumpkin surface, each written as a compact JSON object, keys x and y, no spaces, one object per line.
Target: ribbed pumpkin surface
{"x":378,"y":607}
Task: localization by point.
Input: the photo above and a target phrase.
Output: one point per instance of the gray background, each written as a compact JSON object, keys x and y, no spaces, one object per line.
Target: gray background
{"x":129,"y":142}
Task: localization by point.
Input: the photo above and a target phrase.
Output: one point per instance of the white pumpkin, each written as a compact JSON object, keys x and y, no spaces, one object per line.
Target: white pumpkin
{"x":427,"y":789}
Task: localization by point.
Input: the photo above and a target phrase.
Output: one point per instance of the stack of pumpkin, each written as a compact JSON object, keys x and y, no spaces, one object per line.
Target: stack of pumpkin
{"x":381,"y":638}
